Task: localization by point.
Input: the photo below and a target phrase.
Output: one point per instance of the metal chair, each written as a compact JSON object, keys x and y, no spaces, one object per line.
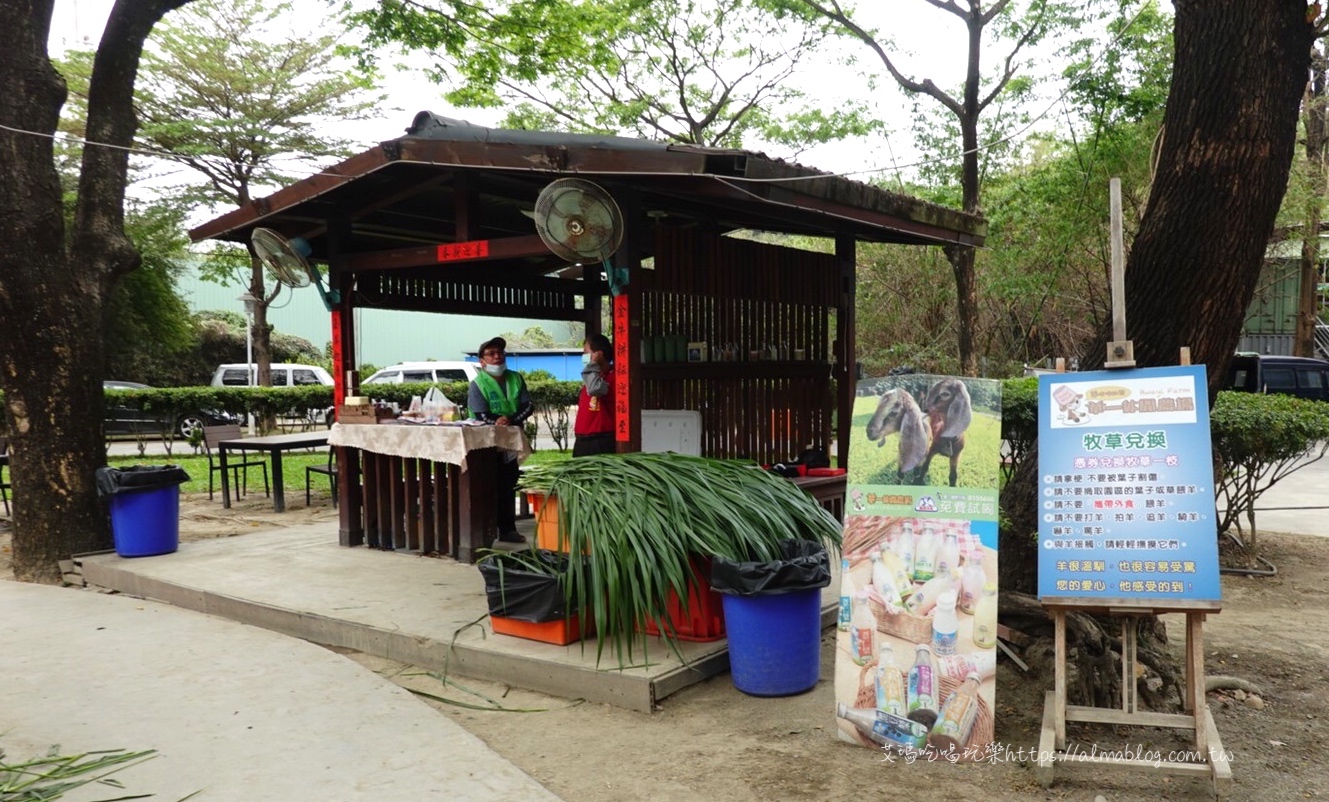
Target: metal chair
{"x":330,"y":470}
{"x":212,"y":435}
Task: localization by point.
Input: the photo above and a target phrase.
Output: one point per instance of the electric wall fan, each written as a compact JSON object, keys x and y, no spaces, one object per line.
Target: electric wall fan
{"x":580,"y":222}
{"x":288,"y":262}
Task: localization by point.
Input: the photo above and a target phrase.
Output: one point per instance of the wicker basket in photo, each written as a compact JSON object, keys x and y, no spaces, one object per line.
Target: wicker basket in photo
{"x":979,"y":736}
{"x":913,"y":628}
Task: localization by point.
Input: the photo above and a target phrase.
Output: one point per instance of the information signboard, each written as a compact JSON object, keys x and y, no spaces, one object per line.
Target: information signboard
{"x":1126,"y":496}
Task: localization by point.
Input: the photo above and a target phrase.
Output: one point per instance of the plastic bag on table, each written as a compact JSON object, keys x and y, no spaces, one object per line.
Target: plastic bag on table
{"x":437,"y":406}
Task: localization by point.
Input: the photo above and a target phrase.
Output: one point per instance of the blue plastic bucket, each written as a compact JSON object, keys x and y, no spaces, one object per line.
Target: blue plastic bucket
{"x":146,"y":522}
{"x":774,"y":642}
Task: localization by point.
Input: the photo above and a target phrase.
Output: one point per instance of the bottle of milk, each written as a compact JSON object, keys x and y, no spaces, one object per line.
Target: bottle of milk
{"x":948,"y":556}
{"x":904,"y":547}
{"x":862,"y":629}
{"x":972,"y":580}
{"x":925,"y":555}
{"x":846,"y":597}
{"x":923,"y":686}
{"x":945,"y":625}
{"x":985,"y":618}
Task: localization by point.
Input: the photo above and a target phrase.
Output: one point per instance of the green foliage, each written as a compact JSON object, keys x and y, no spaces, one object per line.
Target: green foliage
{"x":1258,"y":440}
{"x":707,"y":72}
{"x":641,"y":518}
{"x":240,"y":105}
{"x":54,"y":775}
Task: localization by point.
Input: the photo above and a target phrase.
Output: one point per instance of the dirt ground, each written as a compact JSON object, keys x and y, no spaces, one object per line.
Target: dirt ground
{"x":711,"y":741}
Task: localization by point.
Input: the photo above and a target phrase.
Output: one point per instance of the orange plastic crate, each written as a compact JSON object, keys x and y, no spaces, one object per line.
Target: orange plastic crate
{"x":704,"y":618}
{"x":559,"y":632}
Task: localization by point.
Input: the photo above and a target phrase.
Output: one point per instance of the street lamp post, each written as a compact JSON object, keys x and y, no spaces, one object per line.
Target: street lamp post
{"x":249,"y":300}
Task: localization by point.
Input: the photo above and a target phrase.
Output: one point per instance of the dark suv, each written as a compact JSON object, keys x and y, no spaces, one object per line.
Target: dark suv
{"x":1289,"y":375}
{"x":125,"y":419}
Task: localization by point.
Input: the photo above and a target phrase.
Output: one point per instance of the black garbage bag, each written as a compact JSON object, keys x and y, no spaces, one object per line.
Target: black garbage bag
{"x":517,"y":589}
{"x":804,"y":565}
{"x":111,"y":481}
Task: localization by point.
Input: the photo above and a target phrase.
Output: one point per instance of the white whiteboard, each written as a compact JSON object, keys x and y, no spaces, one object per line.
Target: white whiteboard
{"x":676,"y":430}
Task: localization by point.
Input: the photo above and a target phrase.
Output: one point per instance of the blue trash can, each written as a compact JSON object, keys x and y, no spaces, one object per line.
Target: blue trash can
{"x":774,"y":642}
{"x":772,"y":613}
{"x":145,"y":508}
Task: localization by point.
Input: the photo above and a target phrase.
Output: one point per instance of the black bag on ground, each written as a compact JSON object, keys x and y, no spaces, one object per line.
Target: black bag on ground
{"x":111,"y":481}
{"x":515,"y":589}
{"x":803,"y":565}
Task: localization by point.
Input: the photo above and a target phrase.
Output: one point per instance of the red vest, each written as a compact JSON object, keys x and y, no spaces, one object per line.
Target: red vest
{"x":595,"y":414}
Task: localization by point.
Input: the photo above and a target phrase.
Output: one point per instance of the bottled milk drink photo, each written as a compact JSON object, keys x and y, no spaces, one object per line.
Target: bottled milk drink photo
{"x":925,"y":554}
{"x":945,"y":625}
{"x":951,"y":731}
{"x":972,"y":580}
{"x":923,"y":686}
{"x":948,"y":555}
{"x":862,"y":628}
{"x":846,"y":596}
{"x":904,"y":547}
{"x":890,"y":686}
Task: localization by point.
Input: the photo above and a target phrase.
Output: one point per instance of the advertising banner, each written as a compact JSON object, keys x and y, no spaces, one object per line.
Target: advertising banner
{"x":1126,"y":486}
{"x":916,"y":647}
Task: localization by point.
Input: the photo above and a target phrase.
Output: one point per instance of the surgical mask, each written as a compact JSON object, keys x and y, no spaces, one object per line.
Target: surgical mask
{"x":585,"y":359}
{"x":496,"y":370}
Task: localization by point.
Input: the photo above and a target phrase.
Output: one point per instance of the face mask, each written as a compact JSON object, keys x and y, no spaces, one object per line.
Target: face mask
{"x":496,"y":370}
{"x":585,"y":360}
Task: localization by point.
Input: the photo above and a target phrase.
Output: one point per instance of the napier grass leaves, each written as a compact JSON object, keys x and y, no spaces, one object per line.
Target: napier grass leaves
{"x":642,"y":518}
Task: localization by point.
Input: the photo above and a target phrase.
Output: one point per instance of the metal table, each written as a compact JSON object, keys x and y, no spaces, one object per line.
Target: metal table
{"x":274,"y":445}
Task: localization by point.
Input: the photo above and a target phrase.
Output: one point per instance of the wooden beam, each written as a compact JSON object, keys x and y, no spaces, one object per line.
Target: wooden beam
{"x":467,"y":252}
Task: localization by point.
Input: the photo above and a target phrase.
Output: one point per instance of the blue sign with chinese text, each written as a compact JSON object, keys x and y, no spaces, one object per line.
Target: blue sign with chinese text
{"x":1126,"y":487}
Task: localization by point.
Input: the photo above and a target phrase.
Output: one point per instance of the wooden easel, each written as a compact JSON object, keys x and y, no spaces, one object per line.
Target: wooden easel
{"x":1209,"y":758}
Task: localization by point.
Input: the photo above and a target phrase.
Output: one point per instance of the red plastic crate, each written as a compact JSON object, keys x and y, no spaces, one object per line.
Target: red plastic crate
{"x":704,"y":618}
{"x":559,"y":632}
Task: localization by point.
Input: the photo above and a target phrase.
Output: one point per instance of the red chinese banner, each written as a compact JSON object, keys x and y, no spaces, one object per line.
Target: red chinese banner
{"x":622,"y":371}
{"x":462,"y":251}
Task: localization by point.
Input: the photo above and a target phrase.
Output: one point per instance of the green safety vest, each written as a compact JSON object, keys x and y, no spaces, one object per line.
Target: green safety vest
{"x":499,"y":404}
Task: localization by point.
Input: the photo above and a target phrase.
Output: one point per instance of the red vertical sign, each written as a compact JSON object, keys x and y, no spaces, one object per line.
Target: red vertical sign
{"x":622,"y":371}
{"x":338,"y":368}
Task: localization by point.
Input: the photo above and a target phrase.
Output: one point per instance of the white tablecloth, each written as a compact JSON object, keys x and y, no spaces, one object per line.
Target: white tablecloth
{"x":435,"y":443}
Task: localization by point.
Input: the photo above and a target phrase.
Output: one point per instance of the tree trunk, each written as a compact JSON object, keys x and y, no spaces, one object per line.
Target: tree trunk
{"x":54,"y":289}
{"x":1313,"y":116}
{"x":1230,"y":131}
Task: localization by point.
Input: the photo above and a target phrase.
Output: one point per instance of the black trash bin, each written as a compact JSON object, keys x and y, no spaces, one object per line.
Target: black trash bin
{"x":145,"y":507}
{"x":772,"y":612}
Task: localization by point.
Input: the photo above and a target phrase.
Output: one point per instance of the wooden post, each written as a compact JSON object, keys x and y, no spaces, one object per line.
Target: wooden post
{"x":1121,"y":351}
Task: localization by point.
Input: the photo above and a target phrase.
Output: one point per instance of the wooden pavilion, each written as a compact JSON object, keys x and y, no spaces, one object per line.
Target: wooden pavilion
{"x":440,"y":221}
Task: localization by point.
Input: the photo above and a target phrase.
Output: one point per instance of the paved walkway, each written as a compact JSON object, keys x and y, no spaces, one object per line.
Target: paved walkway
{"x":235,"y":712}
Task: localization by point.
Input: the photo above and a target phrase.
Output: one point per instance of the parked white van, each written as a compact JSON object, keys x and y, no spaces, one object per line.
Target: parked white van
{"x":284,"y":374}
{"x":425,"y":372}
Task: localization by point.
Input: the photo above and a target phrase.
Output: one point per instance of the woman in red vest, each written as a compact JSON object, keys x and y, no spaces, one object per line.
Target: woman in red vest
{"x":595,"y":404}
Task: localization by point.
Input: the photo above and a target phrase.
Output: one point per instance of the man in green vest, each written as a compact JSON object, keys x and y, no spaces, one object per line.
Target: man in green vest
{"x":499,"y":396}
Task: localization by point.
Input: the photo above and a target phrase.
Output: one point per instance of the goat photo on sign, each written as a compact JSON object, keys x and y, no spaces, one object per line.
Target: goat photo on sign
{"x":910,"y":421}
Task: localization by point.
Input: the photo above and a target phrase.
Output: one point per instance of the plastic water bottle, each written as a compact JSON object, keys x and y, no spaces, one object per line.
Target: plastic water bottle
{"x":846,"y":597}
{"x":945,"y":625}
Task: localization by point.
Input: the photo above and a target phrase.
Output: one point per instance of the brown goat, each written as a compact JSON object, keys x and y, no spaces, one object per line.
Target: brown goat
{"x":949,"y":413}
{"x":897,"y":411}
